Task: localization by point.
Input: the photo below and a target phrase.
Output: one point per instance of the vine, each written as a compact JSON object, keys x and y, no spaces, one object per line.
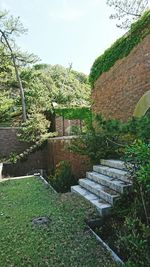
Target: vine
{"x":74,"y":113}
{"x":121,"y":48}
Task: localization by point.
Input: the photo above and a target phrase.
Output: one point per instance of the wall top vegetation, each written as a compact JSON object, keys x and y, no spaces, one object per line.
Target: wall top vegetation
{"x":121,"y":48}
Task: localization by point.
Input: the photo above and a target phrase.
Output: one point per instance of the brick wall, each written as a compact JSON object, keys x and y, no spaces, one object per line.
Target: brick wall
{"x":58,"y":152}
{"x":117,"y":91}
{"x":46,"y":158}
{"x":67,"y":124}
{"x":35,"y":162}
{"x":9,"y":141}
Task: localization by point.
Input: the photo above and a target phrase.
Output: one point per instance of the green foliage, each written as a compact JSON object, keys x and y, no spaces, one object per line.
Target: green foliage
{"x":121,"y":48}
{"x":63,"y":242}
{"x":108,"y":138}
{"x":127,"y":229}
{"x":5,"y":68}
{"x":72,"y":88}
{"x":140,"y":128}
{"x":33,"y":128}
{"x":100,"y":140}
{"x":6,"y":104}
{"x":14,"y":157}
{"x":74,"y":113}
{"x":83,"y":114}
{"x":138,"y":154}
{"x":133,"y":240}
{"x":63,"y":178}
{"x":134,"y":235}
{"x":45,"y":87}
{"x":37,"y":90}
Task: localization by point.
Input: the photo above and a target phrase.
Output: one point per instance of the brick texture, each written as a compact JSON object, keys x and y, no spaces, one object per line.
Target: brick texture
{"x":9,"y":141}
{"x":57,"y":148}
{"x":46,"y":158}
{"x":117,"y":91}
{"x":67,"y":124}
{"x":35,"y":162}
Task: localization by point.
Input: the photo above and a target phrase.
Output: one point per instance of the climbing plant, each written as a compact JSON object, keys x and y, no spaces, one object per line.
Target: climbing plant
{"x":121,"y":48}
{"x":74,"y":113}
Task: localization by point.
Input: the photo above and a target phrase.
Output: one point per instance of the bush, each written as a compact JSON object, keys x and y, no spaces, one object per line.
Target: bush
{"x":108,"y":138}
{"x":128,"y":227}
{"x":134,"y":234}
{"x":139,"y":155}
{"x":32,"y":130}
{"x":100,"y":141}
{"x":63,"y":178}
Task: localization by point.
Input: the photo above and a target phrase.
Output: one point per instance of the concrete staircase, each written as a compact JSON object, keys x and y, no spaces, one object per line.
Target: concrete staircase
{"x":103,"y":186}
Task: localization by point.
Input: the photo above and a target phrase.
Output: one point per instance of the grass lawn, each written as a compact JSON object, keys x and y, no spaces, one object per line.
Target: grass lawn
{"x":65,"y":242}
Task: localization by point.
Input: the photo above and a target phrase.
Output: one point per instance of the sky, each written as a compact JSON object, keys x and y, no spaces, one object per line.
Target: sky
{"x":65,"y":31}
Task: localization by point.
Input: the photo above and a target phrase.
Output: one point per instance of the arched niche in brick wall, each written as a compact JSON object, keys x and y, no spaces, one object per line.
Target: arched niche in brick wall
{"x":143,"y":105}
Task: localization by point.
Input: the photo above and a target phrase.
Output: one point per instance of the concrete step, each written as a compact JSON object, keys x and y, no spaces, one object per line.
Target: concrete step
{"x":102,"y":206}
{"x":117,"y":164}
{"x":112,"y":172}
{"x":113,"y":183}
{"x":101,"y":191}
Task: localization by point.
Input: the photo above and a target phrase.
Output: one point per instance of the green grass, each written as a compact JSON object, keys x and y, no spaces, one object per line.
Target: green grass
{"x":65,"y":242}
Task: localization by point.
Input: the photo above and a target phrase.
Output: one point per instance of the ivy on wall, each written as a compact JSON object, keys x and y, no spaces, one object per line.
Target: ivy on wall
{"x":74,"y":113}
{"x":121,"y":48}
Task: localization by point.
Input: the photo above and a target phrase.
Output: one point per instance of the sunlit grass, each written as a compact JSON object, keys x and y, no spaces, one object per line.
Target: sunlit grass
{"x":65,"y":242}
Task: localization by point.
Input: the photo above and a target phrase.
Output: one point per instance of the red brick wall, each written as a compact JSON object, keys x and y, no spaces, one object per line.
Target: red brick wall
{"x":46,"y":158}
{"x":34,"y":163}
{"x":117,"y":91}
{"x":9,"y":141}
{"x":58,"y":152}
{"x":67,"y":123}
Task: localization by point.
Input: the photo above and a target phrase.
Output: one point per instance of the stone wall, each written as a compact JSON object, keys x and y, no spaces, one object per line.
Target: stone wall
{"x":117,"y":91}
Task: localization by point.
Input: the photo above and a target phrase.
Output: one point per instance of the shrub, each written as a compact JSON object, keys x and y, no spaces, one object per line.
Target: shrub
{"x":139,"y":155}
{"x":130,"y":221}
{"x":63,"y":178}
{"x":108,"y":138}
{"x":100,"y":140}
{"x":32,"y":130}
{"x":133,"y":237}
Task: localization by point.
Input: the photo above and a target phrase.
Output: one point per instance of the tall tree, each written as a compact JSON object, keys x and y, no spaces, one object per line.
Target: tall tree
{"x":126,"y":11}
{"x":11,"y":27}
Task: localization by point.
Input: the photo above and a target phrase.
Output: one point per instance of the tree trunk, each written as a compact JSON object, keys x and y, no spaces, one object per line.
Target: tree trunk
{"x":24,"y":116}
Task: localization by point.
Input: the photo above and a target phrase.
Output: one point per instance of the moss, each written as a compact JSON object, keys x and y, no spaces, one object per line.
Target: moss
{"x":121,"y":48}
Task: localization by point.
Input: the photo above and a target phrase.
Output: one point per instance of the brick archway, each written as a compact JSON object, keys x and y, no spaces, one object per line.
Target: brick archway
{"x":143,"y":105}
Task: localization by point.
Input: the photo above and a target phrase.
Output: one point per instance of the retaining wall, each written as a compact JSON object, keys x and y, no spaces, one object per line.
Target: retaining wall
{"x":117,"y":91}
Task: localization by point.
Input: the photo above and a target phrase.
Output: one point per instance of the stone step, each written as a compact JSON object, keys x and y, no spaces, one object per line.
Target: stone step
{"x":112,"y":172}
{"x":113,"y":183}
{"x":102,"y":206}
{"x":117,"y":164}
{"x":101,"y":191}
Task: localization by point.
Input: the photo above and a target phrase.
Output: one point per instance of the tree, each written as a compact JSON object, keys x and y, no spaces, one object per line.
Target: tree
{"x":9,"y":28}
{"x":127,"y":11}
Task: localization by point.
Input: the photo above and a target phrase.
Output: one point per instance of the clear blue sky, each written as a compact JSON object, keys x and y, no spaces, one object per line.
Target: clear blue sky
{"x":65,"y":31}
